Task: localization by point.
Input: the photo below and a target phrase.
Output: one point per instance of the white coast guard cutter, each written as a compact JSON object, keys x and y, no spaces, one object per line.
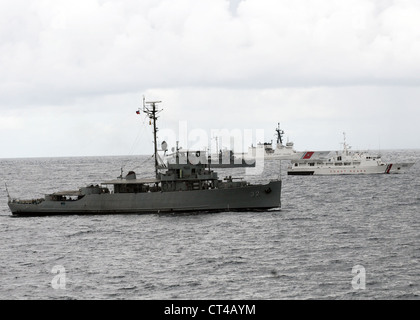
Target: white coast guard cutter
{"x":344,"y":162}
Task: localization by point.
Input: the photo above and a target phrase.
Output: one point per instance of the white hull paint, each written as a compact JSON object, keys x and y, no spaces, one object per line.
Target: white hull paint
{"x":341,"y":170}
{"x":278,"y":154}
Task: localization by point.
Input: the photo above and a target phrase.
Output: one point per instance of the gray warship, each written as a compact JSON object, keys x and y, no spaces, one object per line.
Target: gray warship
{"x":188,"y":184}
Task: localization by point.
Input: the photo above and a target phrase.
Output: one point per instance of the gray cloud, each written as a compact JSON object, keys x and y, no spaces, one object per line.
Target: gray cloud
{"x":74,"y":55}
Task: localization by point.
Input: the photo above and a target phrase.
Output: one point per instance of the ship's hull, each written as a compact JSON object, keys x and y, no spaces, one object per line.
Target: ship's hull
{"x":269,"y":157}
{"x":345,"y":170}
{"x":284,"y":154}
{"x":398,"y":167}
{"x":233,"y":164}
{"x":253,"y":197}
{"x":273,"y":157}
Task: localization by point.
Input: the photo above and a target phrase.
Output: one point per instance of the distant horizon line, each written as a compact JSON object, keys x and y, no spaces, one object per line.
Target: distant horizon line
{"x":151,"y":155}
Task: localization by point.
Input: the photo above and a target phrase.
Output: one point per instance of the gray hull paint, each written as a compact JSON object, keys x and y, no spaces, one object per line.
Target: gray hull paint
{"x":251,"y":197}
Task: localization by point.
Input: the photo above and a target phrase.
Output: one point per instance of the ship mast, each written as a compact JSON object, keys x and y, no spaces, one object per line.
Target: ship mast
{"x":149,"y":107}
{"x":279,"y":134}
{"x":346,"y":147}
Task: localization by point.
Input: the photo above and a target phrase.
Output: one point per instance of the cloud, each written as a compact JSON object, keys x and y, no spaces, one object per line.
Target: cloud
{"x":303,"y":62}
{"x":90,"y":46}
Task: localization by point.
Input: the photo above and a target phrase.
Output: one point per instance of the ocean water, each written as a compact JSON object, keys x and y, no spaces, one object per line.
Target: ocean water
{"x":341,"y":237}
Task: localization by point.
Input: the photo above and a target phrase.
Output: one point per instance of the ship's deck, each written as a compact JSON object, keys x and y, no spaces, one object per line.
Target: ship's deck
{"x":68,"y":193}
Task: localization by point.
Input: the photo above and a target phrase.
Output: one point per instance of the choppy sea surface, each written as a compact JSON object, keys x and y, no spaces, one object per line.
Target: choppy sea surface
{"x":335,"y":237}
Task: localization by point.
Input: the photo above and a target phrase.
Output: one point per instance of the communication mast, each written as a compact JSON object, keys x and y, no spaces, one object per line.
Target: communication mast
{"x":279,"y":134}
{"x":149,"y":107}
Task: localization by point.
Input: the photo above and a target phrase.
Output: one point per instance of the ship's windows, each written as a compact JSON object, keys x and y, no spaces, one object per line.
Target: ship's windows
{"x":311,"y":164}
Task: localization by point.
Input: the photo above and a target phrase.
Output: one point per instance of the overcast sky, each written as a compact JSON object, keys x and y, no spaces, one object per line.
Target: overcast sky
{"x":73,"y":73}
